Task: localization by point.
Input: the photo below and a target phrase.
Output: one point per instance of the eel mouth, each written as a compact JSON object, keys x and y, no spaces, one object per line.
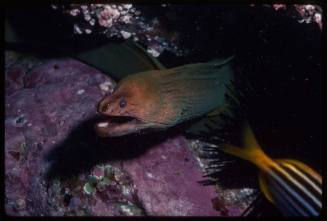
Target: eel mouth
{"x":113,"y":126}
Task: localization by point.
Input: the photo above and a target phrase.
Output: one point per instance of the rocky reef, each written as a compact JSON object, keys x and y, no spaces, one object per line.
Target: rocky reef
{"x":55,"y":165}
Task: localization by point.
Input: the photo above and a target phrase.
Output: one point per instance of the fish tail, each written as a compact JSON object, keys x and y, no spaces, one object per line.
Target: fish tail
{"x":251,"y":150}
{"x":294,"y":187}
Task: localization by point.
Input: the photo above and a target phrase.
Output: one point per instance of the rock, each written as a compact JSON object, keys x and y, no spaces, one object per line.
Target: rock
{"x":14,"y":80}
{"x":41,"y":108}
{"x":166,"y":178}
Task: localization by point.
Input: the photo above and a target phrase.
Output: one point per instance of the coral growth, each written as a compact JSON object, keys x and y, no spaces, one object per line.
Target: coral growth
{"x":305,"y":13}
{"x":121,"y":21}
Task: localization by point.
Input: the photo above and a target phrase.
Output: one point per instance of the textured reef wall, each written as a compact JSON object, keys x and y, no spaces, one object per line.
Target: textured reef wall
{"x":55,"y":165}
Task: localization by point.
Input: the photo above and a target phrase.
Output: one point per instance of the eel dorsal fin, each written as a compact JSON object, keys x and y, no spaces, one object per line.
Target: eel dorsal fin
{"x":119,"y":60}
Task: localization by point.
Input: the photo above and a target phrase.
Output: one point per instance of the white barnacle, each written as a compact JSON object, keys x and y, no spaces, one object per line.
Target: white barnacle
{"x":153,"y":52}
{"x":87,"y":17}
{"x":88,"y":31}
{"x":105,"y":86}
{"x":125,"y":34}
{"x":127,"y":6}
{"x":126,"y":191}
{"x":127,"y":210}
{"x":92,"y":22}
{"x":77,"y":29}
{"x":74,"y":12}
{"x":150,"y":175}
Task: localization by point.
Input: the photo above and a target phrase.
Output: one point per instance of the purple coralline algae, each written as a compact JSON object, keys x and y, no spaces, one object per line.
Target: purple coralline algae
{"x":167,"y":179}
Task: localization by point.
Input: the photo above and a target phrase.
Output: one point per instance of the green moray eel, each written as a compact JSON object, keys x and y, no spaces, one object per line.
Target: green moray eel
{"x":170,"y":96}
{"x":160,"y":99}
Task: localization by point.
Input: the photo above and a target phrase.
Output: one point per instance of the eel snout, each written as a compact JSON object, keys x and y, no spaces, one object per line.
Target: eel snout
{"x":115,"y":124}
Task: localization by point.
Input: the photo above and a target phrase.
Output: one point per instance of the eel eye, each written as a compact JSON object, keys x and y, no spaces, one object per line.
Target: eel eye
{"x":122,"y":103}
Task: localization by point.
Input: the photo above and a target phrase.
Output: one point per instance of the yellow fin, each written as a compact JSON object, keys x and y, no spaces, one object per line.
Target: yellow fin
{"x":251,"y":150}
{"x":236,"y":151}
{"x":264,"y":187}
{"x":248,"y":138}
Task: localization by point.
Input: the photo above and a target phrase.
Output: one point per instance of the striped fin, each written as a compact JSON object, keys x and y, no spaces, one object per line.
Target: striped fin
{"x":295,"y":188}
{"x":301,"y":166}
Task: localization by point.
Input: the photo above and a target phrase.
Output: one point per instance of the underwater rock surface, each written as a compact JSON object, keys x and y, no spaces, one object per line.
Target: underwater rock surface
{"x":45,"y":101}
{"x":42,"y":105}
{"x":167,"y":177}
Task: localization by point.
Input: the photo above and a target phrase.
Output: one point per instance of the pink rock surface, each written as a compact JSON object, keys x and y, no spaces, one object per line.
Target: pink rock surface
{"x":167,"y":177}
{"x":41,"y":107}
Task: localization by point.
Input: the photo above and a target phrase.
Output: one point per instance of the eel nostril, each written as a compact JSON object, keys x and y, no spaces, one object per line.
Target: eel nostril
{"x":104,"y":108}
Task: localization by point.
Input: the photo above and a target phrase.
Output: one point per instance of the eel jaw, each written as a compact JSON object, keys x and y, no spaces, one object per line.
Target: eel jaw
{"x":115,"y":126}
